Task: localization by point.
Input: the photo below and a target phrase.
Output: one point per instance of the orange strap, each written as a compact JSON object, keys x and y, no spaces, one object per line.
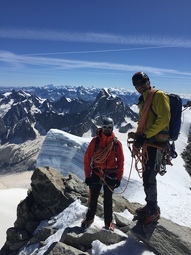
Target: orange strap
{"x":142,"y":122}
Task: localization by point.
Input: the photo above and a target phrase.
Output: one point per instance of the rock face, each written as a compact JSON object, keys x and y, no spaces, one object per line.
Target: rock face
{"x":51,"y":193}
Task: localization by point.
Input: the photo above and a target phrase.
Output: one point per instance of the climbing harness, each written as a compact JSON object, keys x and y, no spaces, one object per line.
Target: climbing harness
{"x":164,"y":155}
{"x":100,"y":155}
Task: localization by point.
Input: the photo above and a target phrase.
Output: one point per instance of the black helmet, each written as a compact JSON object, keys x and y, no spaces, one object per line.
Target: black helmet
{"x":107,"y":121}
{"x":139,"y":77}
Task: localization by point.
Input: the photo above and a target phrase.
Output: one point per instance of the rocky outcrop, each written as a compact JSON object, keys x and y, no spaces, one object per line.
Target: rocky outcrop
{"x":165,"y":238}
{"x":51,"y":193}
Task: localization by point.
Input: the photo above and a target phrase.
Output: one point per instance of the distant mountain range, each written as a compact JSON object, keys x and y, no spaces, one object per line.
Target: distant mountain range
{"x":54,"y":93}
{"x":27,"y":115}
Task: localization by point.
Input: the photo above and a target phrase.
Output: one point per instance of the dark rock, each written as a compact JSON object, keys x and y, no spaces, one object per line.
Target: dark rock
{"x":51,"y":193}
{"x":166,"y":237}
{"x":42,"y":234}
{"x":60,"y":248}
{"x":84,"y":239}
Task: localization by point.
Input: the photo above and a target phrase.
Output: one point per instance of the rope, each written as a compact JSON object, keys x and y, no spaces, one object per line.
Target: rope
{"x":141,"y":155}
{"x":138,"y":159}
{"x":141,"y":158}
{"x":99,"y":157}
{"x":131,"y":167}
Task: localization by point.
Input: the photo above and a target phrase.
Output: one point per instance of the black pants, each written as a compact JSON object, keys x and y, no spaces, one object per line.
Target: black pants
{"x":149,"y":180}
{"x":94,"y":190}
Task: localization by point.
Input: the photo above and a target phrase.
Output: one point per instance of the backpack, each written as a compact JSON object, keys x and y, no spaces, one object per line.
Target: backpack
{"x":176,"y":113}
{"x":114,"y":141}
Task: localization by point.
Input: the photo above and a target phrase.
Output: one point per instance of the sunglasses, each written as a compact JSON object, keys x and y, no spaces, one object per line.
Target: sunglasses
{"x":108,"y":126}
{"x":139,"y":84}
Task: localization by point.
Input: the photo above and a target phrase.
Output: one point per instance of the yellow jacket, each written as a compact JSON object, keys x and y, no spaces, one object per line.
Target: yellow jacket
{"x":158,"y":115}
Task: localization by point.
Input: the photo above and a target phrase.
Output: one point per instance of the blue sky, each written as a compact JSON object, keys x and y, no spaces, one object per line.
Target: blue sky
{"x":98,"y":43}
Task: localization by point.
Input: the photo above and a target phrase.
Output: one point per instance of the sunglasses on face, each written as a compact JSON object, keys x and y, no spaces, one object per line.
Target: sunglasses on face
{"x":139,"y":84}
{"x":107,"y":127}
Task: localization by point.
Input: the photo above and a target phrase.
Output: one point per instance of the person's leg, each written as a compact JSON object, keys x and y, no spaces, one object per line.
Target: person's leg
{"x":93,"y":198}
{"x":149,"y":181}
{"x":94,"y":191}
{"x":108,"y":206}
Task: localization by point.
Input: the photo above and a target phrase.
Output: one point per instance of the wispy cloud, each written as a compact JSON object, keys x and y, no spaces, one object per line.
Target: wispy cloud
{"x":66,"y":64}
{"x":65,"y":36}
{"x":94,"y":51}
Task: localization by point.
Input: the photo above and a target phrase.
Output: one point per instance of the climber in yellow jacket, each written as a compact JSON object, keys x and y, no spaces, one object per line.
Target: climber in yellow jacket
{"x":159,"y":114}
{"x":153,"y":127}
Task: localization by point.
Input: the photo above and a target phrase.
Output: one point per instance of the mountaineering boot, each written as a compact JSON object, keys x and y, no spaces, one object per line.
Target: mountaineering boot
{"x":146,"y":217}
{"x":110,"y":227}
{"x":141,"y":213}
{"x":142,"y":210}
{"x":151,"y":217}
{"x":86,"y":223}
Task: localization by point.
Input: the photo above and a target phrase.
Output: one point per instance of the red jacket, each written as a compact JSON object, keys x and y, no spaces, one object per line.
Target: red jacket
{"x":114,"y":161}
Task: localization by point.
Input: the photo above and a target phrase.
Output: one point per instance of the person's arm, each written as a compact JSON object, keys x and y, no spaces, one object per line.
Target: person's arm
{"x":88,"y":157}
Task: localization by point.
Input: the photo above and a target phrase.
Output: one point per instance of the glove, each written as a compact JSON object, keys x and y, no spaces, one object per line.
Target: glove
{"x":139,"y":141}
{"x":88,"y":181}
{"x":117,"y":184}
{"x":131,"y":135}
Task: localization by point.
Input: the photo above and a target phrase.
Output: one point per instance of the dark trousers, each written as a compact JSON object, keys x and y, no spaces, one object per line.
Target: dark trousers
{"x":94,"y":190}
{"x":149,"y":180}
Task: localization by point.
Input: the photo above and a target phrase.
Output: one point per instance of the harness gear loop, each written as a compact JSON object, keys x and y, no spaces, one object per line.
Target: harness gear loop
{"x":166,"y":152}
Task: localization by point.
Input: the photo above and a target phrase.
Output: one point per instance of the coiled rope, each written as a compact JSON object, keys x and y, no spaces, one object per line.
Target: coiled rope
{"x":141,"y":157}
{"x":102,"y":154}
{"x":99,"y":157}
{"x":141,"y":154}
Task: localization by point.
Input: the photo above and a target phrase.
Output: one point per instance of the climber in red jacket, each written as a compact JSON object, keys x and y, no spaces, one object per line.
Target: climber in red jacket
{"x":103,"y":166}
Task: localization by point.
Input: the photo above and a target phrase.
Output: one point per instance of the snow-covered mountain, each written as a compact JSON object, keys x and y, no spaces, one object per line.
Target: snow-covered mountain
{"x":25,"y":117}
{"x":54,"y":93}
